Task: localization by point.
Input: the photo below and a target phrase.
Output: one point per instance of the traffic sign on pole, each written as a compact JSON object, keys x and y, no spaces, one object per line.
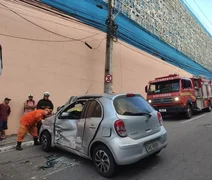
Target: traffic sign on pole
{"x":108,"y":78}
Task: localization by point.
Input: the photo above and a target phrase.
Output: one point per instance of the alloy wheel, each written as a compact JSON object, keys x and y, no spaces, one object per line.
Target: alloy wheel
{"x":102,"y":161}
{"x":44,"y":141}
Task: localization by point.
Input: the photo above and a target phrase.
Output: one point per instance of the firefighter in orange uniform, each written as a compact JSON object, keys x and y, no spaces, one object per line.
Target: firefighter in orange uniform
{"x":28,"y":124}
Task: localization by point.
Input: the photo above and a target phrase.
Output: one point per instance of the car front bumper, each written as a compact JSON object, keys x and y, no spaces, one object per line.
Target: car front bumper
{"x":127,"y":151}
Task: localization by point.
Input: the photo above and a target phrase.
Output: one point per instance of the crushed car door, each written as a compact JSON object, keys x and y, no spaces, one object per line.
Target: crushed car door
{"x":94,"y":114}
{"x":66,"y":126}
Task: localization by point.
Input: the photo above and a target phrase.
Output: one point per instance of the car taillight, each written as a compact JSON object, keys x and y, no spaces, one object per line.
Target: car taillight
{"x":120,"y":128}
{"x":160,"y":119}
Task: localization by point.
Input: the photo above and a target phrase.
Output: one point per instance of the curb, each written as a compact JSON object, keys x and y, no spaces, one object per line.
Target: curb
{"x":12,"y":147}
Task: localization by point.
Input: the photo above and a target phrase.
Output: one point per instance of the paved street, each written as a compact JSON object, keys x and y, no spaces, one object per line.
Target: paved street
{"x":187,"y":157}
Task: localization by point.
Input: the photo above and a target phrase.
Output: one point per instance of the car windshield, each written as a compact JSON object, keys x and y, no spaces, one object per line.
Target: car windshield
{"x":132,"y":106}
{"x":164,"y":87}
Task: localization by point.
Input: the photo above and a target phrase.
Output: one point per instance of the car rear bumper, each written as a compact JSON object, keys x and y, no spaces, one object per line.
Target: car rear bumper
{"x":128,"y":151}
{"x":170,"y":109}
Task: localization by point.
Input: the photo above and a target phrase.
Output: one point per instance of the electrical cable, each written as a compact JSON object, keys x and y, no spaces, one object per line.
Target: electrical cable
{"x":197,"y":16}
{"x":145,"y":45}
{"x":133,"y":42}
{"x":44,"y":40}
{"x":129,"y":37}
{"x":52,"y":11}
{"x":31,"y":39}
{"x":99,"y":44}
{"x":173,"y":62}
{"x":73,"y":39}
{"x":202,"y":12}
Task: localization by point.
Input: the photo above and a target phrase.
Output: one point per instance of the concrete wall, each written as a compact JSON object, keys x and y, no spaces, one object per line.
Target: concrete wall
{"x":64,"y":68}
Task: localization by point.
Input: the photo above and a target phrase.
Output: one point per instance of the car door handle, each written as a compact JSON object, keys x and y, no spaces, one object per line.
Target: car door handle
{"x":92,"y":127}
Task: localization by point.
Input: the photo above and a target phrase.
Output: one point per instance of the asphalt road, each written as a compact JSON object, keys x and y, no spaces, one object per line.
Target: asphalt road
{"x":187,"y":157}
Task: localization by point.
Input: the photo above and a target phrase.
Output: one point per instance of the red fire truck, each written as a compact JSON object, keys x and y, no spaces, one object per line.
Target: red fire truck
{"x":174,"y":94}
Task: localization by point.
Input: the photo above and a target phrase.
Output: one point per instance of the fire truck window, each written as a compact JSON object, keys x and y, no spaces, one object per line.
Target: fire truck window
{"x":183,"y":83}
{"x":196,"y":83}
{"x":164,"y":87}
{"x":188,"y":82}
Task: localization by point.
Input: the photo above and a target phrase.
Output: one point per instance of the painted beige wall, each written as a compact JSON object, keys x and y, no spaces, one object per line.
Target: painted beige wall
{"x":64,"y":68}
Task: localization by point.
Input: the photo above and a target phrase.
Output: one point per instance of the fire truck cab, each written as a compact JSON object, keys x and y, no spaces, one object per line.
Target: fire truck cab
{"x":174,"y":94}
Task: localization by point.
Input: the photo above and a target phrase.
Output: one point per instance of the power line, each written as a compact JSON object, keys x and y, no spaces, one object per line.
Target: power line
{"x":53,"y":11}
{"x":99,"y":44}
{"x":202,"y":12}
{"x":44,"y":40}
{"x":131,"y":39}
{"x":73,"y":39}
{"x":31,"y":39}
{"x":198,"y":17}
{"x":51,"y":21}
{"x":189,"y":67}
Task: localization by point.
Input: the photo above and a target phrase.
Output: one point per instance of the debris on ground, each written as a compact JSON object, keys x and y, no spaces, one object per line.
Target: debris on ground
{"x":207,"y":125}
{"x":3,"y":163}
{"x":57,"y":161}
{"x":50,"y":162}
{"x":25,"y":162}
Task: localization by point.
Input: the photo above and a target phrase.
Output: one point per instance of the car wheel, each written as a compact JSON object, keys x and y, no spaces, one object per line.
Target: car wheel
{"x":104,"y":161}
{"x":209,"y":107}
{"x":45,"y":140}
{"x":188,"y":113}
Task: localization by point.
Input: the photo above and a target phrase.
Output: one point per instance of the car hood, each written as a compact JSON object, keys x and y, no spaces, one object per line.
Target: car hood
{"x":49,"y":121}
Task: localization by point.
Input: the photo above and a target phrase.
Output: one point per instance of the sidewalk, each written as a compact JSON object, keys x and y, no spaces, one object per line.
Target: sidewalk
{"x":10,"y":143}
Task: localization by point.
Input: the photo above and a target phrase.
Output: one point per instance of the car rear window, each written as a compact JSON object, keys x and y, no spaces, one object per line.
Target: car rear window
{"x":132,"y":105}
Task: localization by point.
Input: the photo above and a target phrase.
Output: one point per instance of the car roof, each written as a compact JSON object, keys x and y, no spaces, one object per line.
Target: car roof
{"x":103,"y":95}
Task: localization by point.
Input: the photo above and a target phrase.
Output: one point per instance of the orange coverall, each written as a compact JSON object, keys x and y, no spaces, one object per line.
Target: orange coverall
{"x":28,"y":124}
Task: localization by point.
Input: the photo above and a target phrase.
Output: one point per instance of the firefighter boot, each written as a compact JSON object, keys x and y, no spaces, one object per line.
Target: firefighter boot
{"x":18,"y":147}
{"x":36,"y":142}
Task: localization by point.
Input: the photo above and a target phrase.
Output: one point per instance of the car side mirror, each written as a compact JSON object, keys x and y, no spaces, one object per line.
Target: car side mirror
{"x":146,"y":89}
{"x":64,"y":115}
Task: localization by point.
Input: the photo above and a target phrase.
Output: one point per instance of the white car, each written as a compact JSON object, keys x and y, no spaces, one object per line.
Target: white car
{"x":109,"y":129}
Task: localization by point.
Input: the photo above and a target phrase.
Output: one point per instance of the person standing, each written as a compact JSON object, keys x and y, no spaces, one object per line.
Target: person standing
{"x":43,"y":104}
{"x":5,"y":111}
{"x":29,"y":104}
{"x":28,"y":125}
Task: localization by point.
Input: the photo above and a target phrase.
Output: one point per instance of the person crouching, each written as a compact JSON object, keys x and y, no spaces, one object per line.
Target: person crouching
{"x":28,"y":124}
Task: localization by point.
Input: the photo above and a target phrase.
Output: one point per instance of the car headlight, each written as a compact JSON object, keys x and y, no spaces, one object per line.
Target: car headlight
{"x":176,"y":98}
{"x":149,"y":101}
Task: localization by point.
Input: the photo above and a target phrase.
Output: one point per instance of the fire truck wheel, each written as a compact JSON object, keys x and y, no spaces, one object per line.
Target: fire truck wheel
{"x":209,"y":107}
{"x":188,"y":113}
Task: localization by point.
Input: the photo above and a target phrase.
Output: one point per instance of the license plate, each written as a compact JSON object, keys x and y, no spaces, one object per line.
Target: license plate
{"x":151,"y":147}
{"x":162,"y":110}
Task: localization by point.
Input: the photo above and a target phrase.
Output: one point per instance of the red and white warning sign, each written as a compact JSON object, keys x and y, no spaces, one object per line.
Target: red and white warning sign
{"x":108,"y":78}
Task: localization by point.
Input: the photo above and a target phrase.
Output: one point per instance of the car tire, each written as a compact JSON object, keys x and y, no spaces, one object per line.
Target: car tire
{"x":188,"y":113}
{"x":209,"y":107}
{"x":45,"y":140}
{"x":104,"y":161}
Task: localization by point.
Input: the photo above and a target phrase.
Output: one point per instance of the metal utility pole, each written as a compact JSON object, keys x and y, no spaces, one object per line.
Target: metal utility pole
{"x":108,"y":78}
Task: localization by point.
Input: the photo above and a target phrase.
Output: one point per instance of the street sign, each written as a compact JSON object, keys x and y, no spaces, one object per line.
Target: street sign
{"x":108,"y":78}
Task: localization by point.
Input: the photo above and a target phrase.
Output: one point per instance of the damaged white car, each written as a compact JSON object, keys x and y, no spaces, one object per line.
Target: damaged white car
{"x":109,"y":129}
